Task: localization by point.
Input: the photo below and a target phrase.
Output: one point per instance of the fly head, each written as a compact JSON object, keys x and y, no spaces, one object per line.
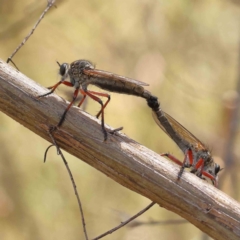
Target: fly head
{"x":63,"y":71}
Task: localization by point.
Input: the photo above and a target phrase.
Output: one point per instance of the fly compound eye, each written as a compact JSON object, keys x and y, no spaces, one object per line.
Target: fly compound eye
{"x":63,"y":69}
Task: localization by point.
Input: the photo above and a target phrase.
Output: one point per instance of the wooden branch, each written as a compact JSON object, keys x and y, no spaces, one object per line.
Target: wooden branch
{"x":121,"y":158}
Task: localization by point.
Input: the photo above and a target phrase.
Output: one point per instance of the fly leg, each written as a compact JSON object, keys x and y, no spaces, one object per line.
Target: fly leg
{"x":100,"y":112}
{"x":83,"y":98}
{"x":177,"y":161}
{"x":97,"y":99}
{"x":199,"y":168}
{"x":98,"y":94}
{"x":104,"y":106}
{"x":200,"y":165}
{"x":53,"y":88}
{"x":174,"y":159}
{"x":106,"y":103}
{"x":188,"y":160}
{"x":210,"y":176}
{"x":69,"y":106}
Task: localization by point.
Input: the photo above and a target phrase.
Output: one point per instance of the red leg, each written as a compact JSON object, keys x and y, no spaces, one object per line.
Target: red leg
{"x":91,"y":95}
{"x":69,"y":84}
{"x":55,"y":86}
{"x":82,"y":100}
{"x":213,"y":179}
{"x":84,"y":96}
{"x":104,"y":106}
{"x":177,"y":161}
{"x":69,"y":106}
{"x":199,"y":165}
{"x":95,"y":93}
{"x":174,"y":159}
{"x":106,"y":103}
{"x":189,"y":156}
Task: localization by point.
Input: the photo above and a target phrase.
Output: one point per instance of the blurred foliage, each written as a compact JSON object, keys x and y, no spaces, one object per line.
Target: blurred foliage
{"x":186,"y":50}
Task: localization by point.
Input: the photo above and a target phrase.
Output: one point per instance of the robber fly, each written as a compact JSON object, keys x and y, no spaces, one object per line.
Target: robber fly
{"x":196,"y":155}
{"x":82,"y":73}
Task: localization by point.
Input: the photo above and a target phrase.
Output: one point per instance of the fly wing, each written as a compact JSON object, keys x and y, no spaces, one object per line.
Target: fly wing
{"x":184,"y":133}
{"x":111,"y":76}
{"x":165,"y":124}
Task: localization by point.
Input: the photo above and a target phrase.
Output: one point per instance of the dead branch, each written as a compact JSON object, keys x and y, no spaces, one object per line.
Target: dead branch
{"x":120,"y":158}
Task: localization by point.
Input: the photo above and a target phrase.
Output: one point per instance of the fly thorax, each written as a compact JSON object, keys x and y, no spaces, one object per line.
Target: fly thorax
{"x":77,"y":76}
{"x":207,"y":158}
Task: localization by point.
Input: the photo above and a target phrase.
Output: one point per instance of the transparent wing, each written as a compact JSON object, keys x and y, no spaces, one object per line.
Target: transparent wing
{"x":184,"y":133}
{"x":179,"y":134}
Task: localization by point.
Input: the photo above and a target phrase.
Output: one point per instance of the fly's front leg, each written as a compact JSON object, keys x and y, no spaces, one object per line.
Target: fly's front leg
{"x":53,"y":88}
{"x":200,"y":168}
{"x":210,"y":176}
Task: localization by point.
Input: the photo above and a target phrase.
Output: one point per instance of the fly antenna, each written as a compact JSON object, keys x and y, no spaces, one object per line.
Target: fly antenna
{"x":58,"y":64}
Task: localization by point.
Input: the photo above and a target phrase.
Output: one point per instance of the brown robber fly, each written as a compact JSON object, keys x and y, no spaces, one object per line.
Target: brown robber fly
{"x":82,"y":73}
{"x":196,"y":155}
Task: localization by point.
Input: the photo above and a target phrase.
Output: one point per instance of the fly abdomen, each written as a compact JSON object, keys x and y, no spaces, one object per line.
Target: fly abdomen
{"x":119,"y":87}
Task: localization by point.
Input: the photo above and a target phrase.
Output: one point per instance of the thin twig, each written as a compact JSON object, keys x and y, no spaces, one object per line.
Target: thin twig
{"x":72,"y":180}
{"x":49,"y":5}
{"x":125,"y":222}
{"x":46,"y":151}
{"x":10,"y":60}
{"x":152,"y":222}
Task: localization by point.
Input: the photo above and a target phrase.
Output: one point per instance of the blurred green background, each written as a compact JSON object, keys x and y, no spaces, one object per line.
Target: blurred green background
{"x":186,"y":50}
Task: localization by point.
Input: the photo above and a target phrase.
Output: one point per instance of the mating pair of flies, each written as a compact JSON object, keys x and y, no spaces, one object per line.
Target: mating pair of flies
{"x":82,"y":73}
